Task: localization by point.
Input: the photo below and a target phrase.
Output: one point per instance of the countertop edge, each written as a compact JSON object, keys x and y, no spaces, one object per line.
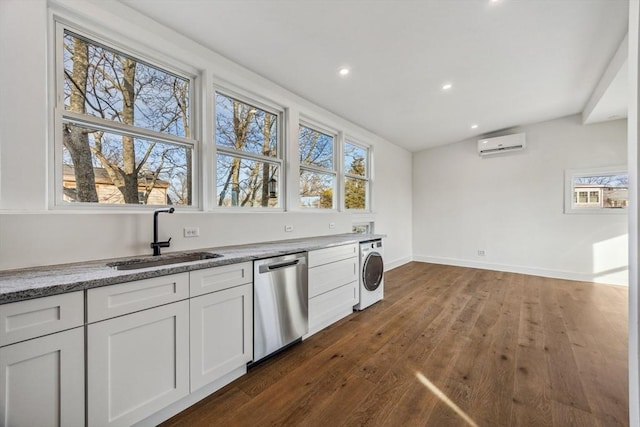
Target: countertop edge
{"x":38,"y":282}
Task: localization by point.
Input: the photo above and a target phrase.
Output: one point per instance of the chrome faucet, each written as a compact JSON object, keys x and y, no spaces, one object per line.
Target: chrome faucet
{"x":155,"y":244}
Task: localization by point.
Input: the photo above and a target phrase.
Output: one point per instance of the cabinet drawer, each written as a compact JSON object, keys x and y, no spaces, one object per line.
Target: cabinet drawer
{"x":337,"y":253}
{"x":219,"y":278}
{"x":24,"y":320}
{"x":331,"y":306}
{"x":116,"y":300}
{"x":330,"y":276}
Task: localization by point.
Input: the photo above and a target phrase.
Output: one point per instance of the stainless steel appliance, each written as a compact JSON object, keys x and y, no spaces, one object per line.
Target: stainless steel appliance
{"x":281,"y":303}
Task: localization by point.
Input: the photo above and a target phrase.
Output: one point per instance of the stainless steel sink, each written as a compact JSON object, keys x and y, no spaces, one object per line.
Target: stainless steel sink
{"x":158,"y":261}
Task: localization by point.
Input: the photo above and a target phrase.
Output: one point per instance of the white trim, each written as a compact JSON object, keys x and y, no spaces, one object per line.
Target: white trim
{"x":60,"y":21}
{"x":570,"y":174}
{"x":366,"y":177}
{"x":534,"y":271}
{"x":311,"y":125}
{"x":390,"y":265}
{"x":633,"y":132}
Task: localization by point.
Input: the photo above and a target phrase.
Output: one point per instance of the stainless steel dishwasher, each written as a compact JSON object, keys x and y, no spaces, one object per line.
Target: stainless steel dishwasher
{"x":280,"y":303}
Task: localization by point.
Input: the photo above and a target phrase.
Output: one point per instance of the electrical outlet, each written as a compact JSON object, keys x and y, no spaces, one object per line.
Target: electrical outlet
{"x":191,"y":232}
{"x":332,"y":225}
{"x":288,"y":228}
{"x":480,"y":252}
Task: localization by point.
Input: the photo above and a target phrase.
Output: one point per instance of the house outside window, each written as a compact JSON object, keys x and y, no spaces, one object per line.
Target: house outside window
{"x":124,"y":127}
{"x":317,"y":168}
{"x":599,"y":190}
{"x":356,"y":176}
{"x":249,"y":154}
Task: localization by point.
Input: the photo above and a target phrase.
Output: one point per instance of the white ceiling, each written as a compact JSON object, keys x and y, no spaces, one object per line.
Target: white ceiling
{"x":511,"y":62}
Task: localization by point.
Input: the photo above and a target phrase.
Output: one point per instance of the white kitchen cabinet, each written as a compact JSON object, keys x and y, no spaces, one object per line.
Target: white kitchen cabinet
{"x":33,"y":318}
{"x":221,"y":333}
{"x":137,"y":364}
{"x":218,"y":278}
{"x":332,"y":254}
{"x":124,"y":298}
{"x":333,"y":285}
{"x":42,"y":361}
{"x":42,"y":381}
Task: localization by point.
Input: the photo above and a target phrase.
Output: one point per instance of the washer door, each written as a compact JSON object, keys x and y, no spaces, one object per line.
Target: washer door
{"x":372,"y":271}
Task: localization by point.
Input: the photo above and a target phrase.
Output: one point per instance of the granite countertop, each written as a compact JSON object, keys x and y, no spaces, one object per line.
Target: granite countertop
{"x":17,"y":285}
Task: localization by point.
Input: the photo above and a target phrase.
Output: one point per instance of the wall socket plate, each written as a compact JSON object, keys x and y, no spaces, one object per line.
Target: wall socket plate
{"x":481,"y":252}
{"x":288,"y":228}
{"x":332,"y":225}
{"x":191,"y":231}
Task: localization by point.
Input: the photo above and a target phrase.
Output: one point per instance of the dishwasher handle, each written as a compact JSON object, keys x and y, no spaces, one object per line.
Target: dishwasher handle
{"x":265,"y":268}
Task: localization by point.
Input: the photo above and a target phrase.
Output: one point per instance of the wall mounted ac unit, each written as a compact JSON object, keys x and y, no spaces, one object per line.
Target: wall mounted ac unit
{"x":501,"y":144}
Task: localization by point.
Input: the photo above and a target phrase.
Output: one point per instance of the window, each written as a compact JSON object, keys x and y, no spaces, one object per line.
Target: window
{"x":356,"y":176}
{"x":362,"y":227}
{"x":317,"y":168}
{"x":248,"y":154}
{"x":597,"y":190}
{"x":125,"y":128}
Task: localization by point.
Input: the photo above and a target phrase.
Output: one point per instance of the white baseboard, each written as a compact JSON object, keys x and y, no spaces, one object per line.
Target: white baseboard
{"x":534,"y":271}
{"x":390,"y":265}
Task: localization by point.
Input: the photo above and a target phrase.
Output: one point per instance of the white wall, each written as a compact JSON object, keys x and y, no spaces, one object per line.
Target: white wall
{"x":33,"y":234}
{"x":511,"y":206}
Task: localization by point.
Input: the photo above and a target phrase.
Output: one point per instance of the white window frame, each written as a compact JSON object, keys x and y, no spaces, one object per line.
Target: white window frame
{"x":310,"y":124}
{"x":61,"y":116}
{"x":280,"y":150}
{"x":569,"y":190}
{"x":366,"y":178}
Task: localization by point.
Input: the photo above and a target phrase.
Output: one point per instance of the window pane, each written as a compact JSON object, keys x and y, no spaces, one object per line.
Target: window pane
{"x":316,"y":148}
{"x":244,"y":127}
{"x":355,"y":160}
{"x":316,"y":190}
{"x":361,"y":228}
{"x":602,"y":191}
{"x":104,"y":83}
{"x":103,"y":167}
{"x":245,"y":182}
{"x":355,"y":193}
{"x":582,"y":197}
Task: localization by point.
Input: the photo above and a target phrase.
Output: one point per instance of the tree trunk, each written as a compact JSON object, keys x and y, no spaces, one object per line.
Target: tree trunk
{"x":76,"y":139}
{"x":130,"y":171}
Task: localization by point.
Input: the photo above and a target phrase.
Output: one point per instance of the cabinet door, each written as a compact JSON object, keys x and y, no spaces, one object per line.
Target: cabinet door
{"x":42,"y":381}
{"x":137,"y":364}
{"x":332,"y":306}
{"x":221,"y":333}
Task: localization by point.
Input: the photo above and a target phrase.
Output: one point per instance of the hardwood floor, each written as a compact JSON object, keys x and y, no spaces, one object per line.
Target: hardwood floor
{"x":503,"y":349}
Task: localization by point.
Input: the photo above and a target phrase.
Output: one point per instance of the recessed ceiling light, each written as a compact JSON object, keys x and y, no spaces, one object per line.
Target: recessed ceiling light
{"x":344,"y":71}
{"x":474,"y":126}
{"x":447,"y":86}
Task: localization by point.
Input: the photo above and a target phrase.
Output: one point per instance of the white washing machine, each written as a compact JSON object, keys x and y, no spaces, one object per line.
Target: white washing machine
{"x":371,"y":274}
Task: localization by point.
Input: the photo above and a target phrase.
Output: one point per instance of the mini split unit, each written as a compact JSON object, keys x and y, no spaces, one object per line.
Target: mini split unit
{"x":501,"y":144}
